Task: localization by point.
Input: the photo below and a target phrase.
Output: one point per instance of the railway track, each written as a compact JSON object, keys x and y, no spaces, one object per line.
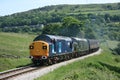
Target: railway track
{"x":12,"y":73}
{"x":32,"y":72}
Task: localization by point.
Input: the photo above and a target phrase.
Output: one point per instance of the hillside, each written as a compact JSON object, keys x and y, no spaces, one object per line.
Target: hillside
{"x":101,"y":18}
{"x":50,"y":14}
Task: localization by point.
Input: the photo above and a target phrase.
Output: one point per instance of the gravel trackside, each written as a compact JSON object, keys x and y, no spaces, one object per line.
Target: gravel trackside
{"x":42,"y":71}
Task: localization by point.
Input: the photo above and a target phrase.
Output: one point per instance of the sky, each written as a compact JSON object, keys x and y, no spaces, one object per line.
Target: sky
{"x":8,"y":7}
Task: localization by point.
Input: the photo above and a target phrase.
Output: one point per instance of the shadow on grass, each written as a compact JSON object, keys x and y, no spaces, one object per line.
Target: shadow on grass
{"x":31,"y":65}
{"x":24,"y":65}
{"x":110,"y":67}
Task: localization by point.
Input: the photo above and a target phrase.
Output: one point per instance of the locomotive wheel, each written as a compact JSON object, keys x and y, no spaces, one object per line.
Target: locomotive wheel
{"x":35,"y":62}
{"x":65,"y":57}
{"x":55,"y":60}
{"x":68,"y":57}
{"x":49,"y":62}
{"x":75,"y":55}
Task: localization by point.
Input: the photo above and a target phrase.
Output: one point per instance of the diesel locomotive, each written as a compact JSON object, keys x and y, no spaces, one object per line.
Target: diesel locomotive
{"x":49,"y":49}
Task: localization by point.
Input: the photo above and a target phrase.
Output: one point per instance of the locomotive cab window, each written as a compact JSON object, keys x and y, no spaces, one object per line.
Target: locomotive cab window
{"x":44,"y":47}
{"x":31,"y":47}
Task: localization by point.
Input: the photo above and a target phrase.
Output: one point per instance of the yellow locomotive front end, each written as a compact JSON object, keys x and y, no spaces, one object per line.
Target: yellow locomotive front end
{"x":39,"y":50}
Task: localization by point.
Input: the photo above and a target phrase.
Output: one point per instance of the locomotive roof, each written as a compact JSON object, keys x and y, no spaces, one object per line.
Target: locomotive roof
{"x":51,"y":37}
{"x":59,"y":37}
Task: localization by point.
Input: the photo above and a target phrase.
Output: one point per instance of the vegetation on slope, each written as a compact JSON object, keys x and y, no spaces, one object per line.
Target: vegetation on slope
{"x":55,"y":13}
{"x":98,"y":19}
{"x":14,"y":50}
{"x":105,"y":66}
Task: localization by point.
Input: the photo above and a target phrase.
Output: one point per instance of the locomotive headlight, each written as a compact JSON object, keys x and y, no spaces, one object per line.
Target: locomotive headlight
{"x":31,"y":57}
{"x":44,"y":57}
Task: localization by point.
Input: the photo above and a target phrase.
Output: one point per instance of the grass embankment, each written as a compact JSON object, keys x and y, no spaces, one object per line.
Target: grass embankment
{"x":14,"y":50}
{"x":105,"y":66}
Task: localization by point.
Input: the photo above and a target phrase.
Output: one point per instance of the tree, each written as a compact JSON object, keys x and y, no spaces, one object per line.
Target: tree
{"x":89,"y":33}
{"x":107,"y":17}
{"x":71,"y":26}
{"x":52,"y":28}
{"x":109,"y":7}
{"x":26,"y":28}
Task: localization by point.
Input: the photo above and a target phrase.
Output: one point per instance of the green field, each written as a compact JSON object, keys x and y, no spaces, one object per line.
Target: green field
{"x":14,"y":50}
{"x":105,"y":66}
{"x":111,"y":12}
{"x":14,"y":53}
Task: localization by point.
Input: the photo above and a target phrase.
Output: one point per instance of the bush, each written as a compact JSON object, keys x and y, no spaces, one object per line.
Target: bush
{"x":117,"y":59}
{"x":117,"y":50}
